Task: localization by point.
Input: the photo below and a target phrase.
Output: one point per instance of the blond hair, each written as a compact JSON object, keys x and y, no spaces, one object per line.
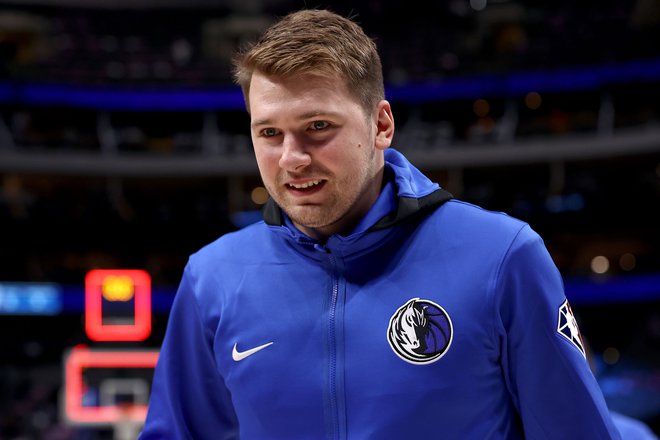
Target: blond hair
{"x":316,"y":42}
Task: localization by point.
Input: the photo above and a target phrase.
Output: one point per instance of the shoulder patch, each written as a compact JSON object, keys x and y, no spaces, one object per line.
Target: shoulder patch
{"x":568,"y":328}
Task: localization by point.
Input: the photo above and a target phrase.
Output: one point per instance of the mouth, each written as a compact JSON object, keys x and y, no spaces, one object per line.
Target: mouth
{"x":305,"y":188}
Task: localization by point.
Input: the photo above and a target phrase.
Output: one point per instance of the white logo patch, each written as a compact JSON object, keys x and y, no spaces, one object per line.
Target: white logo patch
{"x":568,"y":328}
{"x":240,"y":355}
{"x":420,"y":331}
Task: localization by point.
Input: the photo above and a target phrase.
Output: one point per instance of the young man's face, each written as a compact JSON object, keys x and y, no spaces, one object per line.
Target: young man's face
{"x":320,"y":156}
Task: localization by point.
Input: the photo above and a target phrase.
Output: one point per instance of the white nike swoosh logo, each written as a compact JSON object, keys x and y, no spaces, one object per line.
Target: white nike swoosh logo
{"x":240,"y":355}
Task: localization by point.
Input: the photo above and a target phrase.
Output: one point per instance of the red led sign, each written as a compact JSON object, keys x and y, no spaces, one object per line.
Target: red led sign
{"x":118,"y":286}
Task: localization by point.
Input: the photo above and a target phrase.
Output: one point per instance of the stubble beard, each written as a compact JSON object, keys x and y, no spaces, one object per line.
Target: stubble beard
{"x":336,"y":207}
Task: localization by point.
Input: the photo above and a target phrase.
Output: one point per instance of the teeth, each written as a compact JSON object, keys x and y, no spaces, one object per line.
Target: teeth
{"x":305,"y":185}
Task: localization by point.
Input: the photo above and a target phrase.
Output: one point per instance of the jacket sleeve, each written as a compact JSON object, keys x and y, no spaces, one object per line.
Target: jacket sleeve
{"x":543,"y":357}
{"x":188,"y":397}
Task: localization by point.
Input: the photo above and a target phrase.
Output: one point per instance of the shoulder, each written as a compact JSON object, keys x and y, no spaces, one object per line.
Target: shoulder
{"x":467,"y":220}
{"x":234,"y":246}
{"x":224,"y":262}
{"x":471,"y":212}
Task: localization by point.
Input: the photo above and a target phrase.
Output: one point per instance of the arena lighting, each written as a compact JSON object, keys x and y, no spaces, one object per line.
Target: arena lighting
{"x":481,"y":107}
{"x":116,"y":285}
{"x":600,"y":264}
{"x":611,"y":355}
{"x":627,"y":262}
{"x":25,"y":298}
{"x":77,"y":361}
{"x":467,"y":87}
{"x":259,"y":195}
{"x":533,"y":100}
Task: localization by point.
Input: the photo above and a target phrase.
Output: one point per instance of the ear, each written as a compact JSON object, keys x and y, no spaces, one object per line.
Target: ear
{"x":384,"y":125}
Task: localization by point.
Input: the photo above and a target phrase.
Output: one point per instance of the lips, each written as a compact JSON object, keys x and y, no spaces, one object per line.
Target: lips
{"x":308,"y":187}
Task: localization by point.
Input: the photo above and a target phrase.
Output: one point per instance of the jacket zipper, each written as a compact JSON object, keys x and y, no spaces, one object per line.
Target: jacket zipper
{"x":335,"y":412}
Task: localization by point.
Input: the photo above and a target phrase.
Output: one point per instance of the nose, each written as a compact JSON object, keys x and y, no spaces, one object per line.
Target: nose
{"x":294,"y":154}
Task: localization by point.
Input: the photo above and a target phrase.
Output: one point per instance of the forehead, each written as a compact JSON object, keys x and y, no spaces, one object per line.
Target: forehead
{"x":269,"y":94}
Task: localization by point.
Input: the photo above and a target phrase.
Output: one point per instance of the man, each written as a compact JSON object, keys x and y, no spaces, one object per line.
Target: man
{"x":367,"y":304}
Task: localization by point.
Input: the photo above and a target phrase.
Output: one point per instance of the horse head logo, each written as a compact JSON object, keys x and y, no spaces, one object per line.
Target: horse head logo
{"x":420,"y":331}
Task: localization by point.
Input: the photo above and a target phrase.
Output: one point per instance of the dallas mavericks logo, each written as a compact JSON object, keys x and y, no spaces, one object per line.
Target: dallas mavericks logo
{"x":420,"y":332}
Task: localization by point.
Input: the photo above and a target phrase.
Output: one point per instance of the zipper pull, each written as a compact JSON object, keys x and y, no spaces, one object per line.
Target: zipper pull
{"x":319,"y":247}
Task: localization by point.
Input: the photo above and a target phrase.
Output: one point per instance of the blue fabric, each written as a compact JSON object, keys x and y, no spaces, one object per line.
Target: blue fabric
{"x":632,"y":429}
{"x":487,"y":363}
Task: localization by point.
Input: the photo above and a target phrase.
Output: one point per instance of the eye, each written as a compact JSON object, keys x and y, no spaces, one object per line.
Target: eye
{"x":319,"y":125}
{"x":269,"y":132}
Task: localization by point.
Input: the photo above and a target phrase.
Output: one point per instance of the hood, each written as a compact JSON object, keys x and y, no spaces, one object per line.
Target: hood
{"x":414,"y":196}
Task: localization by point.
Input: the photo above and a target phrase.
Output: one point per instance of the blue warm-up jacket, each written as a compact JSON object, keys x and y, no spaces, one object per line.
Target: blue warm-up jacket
{"x":434,"y":319}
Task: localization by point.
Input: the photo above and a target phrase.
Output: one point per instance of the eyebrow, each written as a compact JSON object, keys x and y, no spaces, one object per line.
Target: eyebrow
{"x":302,"y":117}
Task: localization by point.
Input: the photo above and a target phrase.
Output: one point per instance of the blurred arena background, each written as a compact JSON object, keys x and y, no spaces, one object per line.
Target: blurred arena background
{"x":124,"y":144}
